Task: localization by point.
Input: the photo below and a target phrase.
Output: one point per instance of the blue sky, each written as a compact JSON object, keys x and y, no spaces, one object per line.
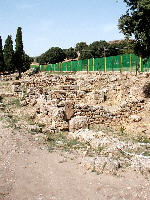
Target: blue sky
{"x":63,"y":23}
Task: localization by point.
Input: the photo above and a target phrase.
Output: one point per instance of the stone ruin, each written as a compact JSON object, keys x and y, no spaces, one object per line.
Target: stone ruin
{"x":63,"y":102}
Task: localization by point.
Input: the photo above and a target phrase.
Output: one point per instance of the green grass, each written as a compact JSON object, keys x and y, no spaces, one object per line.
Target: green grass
{"x":11,"y":120}
{"x":60,"y":141}
{"x":142,"y":139}
{"x":13,"y":102}
{"x":28,"y":119}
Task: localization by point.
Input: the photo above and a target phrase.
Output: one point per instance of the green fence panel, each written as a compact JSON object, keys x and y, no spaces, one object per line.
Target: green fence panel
{"x":73,"y":66}
{"x":80,"y":65}
{"x":102,"y":64}
{"x":64,"y":69}
{"x":134,"y":62}
{"x":117,"y":63}
{"x":91,"y":64}
{"x":85,"y":65}
{"x":126,"y":62}
{"x":56,"y":67}
{"x":48,"y":68}
{"x":68,"y":64}
{"x":109,"y":64}
{"x":96,"y":64}
{"x":146,"y":65}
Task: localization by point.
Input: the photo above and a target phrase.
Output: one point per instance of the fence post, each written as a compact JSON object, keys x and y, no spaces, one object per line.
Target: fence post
{"x":99,"y":64}
{"x":130,"y":62}
{"x":93,"y":64}
{"x":54,"y":67}
{"x":71,"y":67}
{"x":88,"y":65}
{"x":78,"y":65}
{"x":105,"y":64}
{"x":140,"y":64}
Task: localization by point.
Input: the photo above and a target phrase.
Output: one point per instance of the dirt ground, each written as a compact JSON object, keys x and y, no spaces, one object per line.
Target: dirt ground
{"x":29,"y":172}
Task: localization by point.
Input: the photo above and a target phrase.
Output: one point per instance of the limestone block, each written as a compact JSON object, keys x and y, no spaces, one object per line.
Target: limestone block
{"x":69,"y":110}
{"x":77,"y":123}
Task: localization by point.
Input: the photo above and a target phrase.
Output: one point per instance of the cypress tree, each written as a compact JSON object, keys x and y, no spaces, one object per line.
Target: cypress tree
{"x":2,"y":65}
{"x":19,"y":51}
{"x":9,"y":54}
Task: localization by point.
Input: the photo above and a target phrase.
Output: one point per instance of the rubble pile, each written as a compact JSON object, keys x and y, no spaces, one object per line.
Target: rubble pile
{"x":59,"y":100}
{"x":103,"y":110}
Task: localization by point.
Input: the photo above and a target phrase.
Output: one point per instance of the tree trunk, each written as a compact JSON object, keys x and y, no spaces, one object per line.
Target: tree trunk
{"x":19,"y":73}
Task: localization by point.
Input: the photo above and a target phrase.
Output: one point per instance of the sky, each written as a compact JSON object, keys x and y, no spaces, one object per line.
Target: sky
{"x":60,"y":23}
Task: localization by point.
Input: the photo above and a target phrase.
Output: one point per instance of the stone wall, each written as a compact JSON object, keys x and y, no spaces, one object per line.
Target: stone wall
{"x":104,"y":98}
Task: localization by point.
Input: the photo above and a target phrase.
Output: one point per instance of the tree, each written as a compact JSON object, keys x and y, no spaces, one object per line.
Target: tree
{"x":19,"y":51}
{"x":26,"y":62}
{"x":52,"y":56}
{"x":136,"y":22}
{"x":2,"y":64}
{"x":9,"y":55}
{"x":97,"y":48}
{"x":80,"y":46}
{"x":71,"y":53}
{"x":86,"y":53}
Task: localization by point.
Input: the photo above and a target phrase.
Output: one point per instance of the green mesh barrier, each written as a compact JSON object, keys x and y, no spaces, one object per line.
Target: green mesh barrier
{"x":127,"y":62}
{"x":80,"y":65}
{"x":109,"y":63}
{"x":96,"y":64}
{"x":116,"y":63}
{"x":91,"y":64}
{"x":102,"y":64}
{"x":73,"y":66}
{"x":146,"y":65}
{"x":134,"y":62}
{"x":68,"y":64}
{"x":84,"y":65}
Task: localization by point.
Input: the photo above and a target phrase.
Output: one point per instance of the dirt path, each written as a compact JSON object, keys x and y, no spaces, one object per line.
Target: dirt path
{"x":29,"y":172}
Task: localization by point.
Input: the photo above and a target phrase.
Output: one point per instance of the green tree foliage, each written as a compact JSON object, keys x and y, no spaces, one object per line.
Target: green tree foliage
{"x":9,"y":55}
{"x":71,"y":53}
{"x":80,"y":46}
{"x":52,"y":56}
{"x":86,"y":53}
{"x":97,"y":48}
{"x":84,"y":50}
{"x":2,"y":65}
{"x":136,"y":22}
{"x":19,"y":51}
{"x":26,"y":62}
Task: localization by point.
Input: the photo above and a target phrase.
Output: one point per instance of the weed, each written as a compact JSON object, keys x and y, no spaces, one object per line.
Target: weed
{"x":122,"y":129}
{"x":11,"y":120}
{"x":60,"y":140}
{"x":41,"y":125}
{"x":146,"y":153}
{"x":142,"y":139}
{"x":28,"y":119}
{"x":99,"y":150}
{"x":13,"y":102}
